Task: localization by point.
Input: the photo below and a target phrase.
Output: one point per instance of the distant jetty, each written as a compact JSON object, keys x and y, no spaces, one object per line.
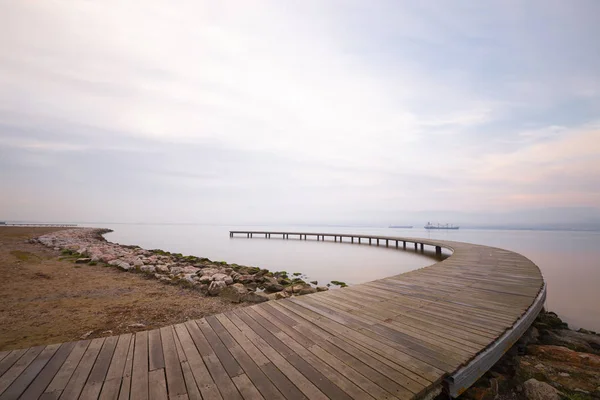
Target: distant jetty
{"x":401,"y":226}
{"x":440,"y":226}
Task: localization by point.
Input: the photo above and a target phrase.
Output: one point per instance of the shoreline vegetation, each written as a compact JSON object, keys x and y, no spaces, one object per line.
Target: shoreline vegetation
{"x":236,"y":283}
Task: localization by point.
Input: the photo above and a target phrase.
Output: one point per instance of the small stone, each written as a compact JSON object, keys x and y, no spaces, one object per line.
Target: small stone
{"x":136,"y":325}
{"x":216,"y":287}
{"x":107,"y":332}
{"x":581,"y":391}
{"x":281,"y":295}
{"x":149,"y":269}
{"x":536,"y":390}
{"x":564,"y":374}
{"x":162,"y":268}
{"x":83,"y":260}
{"x":322,"y":288}
{"x":85,"y":335}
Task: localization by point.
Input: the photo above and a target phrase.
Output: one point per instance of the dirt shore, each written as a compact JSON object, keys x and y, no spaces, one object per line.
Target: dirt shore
{"x":46,"y":299}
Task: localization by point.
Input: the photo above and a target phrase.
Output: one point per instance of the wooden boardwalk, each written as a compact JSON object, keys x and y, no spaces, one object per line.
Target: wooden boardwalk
{"x":400,"y":337}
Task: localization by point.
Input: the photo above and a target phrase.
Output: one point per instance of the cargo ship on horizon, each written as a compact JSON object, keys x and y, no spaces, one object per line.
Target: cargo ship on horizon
{"x":439,"y":226}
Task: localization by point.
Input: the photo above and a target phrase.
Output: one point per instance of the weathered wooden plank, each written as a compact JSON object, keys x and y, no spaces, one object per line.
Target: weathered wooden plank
{"x":79,"y":377}
{"x":18,"y":386}
{"x":10,"y":359}
{"x":157,"y":385}
{"x":305,"y":385}
{"x":252,"y":371}
{"x":175,"y":380}
{"x":43,"y":379}
{"x":139,"y":377}
{"x":281,"y":381}
{"x":93,"y":386}
{"x":117,"y":364}
{"x":18,"y":367}
{"x":125,"y":390}
{"x":229,"y":363}
{"x":60,"y":380}
{"x":246,"y":388}
{"x":338,"y":379}
{"x":204,"y":381}
{"x":155,"y":350}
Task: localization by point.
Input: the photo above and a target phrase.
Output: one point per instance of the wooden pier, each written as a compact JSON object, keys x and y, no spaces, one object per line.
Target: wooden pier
{"x":403,"y":337}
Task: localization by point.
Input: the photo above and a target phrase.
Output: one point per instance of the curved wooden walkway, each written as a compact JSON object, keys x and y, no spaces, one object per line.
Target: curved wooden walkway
{"x":400,"y":337}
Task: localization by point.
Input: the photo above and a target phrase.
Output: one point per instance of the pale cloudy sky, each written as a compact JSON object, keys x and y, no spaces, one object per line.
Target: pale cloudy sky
{"x":313,"y":111}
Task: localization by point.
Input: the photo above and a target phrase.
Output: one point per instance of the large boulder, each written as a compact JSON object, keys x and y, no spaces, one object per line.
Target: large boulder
{"x":216,"y":287}
{"x":256,"y":297}
{"x":272,"y":286}
{"x":536,"y":390}
{"x":234,"y":293}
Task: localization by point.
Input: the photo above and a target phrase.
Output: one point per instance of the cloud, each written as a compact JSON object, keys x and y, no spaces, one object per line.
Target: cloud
{"x":333,"y":108}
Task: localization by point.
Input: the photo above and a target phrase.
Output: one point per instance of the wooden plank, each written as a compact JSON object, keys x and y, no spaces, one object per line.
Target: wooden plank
{"x":125,"y":391}
{"x":324,"y":349}
{"x":10,"y":359}
{"x":344,"y":341}
{"x":139,"y":377}
{"x":80,"y":375}
{"x":175,"y":380}
{"x":246,"y":388}
{"x":93,"y":386}
{"x":252,"y":371}
{"x":18,"y":386}
{"x":43,"y":379}
{"x":281,"y":381}
{"x":18,"y":367}
{"x":229,"y":363}
{"x":205,"y":383}
{"x":157,"y":385}
{"x":117,"y":364}
{"x":305,"y":385}
{"x":217,"y":371}
{"x":4,"y":354}
{"x":155,"y":351}
{"x":60,"y":380}
{"x":338,"y":379}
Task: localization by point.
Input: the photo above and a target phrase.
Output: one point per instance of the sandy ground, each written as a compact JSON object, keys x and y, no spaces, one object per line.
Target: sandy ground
{"x":45,"y":299}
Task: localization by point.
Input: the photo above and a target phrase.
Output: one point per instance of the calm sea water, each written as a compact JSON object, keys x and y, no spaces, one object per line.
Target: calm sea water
{"x":570,"y":261}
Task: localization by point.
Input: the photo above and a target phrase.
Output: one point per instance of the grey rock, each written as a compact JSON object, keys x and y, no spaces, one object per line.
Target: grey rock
{"x":205,"y":279}
{"x":307,"y":290}
{"x":136,"y":325}
{"x":314,"y":282}
{"x":322,"y":288}
{"x":162,"y":268}
{"x":83,"y":260}
{"x":256,"y":297}
{"x":137,"y":262}
{"x":216,"y":287}
{"x":536,"y":390}
{"x":149,"y":269}
{"x":234,"y":293}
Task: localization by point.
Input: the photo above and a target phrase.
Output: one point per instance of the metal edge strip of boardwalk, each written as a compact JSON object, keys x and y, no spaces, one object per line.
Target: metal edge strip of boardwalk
{"x":462,"y":379}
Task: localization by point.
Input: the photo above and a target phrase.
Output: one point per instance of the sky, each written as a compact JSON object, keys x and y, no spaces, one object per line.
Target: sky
{"x":334,"y":112}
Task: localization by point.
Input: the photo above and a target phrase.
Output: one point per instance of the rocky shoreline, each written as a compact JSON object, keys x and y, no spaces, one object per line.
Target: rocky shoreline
{"x":549,"y":362}
{"x":236,"y":283}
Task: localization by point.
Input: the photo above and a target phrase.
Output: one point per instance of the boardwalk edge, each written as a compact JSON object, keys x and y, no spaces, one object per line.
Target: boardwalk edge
{"x":462,"y":379}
